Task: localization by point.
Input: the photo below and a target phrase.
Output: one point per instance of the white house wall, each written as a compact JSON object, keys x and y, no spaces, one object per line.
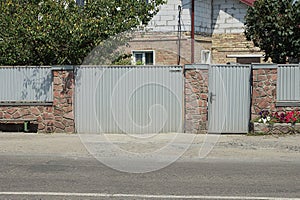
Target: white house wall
{"x":228,"y":16}
{"x":211,"y":16}
{"x":167,"y":18}
{"x":203,"y":16}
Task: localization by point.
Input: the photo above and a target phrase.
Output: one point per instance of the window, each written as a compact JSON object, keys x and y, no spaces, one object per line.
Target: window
{"x":143,"y":57}
{"x":80,"y":2}
{"x":247,"y":58}
{"x":288,"y":85}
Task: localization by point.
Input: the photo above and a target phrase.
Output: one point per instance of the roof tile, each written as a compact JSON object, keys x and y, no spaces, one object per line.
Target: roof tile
{"x":248,"y":2}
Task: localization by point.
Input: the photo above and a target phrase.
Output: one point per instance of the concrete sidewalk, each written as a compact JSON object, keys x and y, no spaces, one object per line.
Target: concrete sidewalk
{"x":240,"y":147}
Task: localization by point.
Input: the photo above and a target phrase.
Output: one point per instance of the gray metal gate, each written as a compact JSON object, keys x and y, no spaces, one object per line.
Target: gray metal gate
{"x":229,"y":99}
{"x":128,"y":99}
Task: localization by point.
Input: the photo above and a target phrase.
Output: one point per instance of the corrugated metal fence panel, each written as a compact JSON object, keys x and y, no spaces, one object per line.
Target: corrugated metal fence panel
{"x":229,"y":102}
{"x":128,"y":99}
{"x":26,"y":84}
{"x":288,"y":83}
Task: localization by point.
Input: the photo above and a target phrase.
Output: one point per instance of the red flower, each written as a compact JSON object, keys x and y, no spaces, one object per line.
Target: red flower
{"x":294,"y":119}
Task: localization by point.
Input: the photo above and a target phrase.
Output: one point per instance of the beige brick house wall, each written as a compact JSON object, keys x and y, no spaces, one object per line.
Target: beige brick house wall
{"x":231,"y":44}
{"x":219,"y":24}
{"x":166,"y":47}
{"x":228,"y":31}
{"x":161,"y":34}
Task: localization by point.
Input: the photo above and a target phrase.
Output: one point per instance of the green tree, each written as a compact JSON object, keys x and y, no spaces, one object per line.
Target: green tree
{"x":274,"y":27}
{"x":60,"y":32}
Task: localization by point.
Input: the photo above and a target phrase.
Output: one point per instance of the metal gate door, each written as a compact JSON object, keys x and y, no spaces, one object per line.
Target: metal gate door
{"x":128,"y":99}
{"x":229,"y":99}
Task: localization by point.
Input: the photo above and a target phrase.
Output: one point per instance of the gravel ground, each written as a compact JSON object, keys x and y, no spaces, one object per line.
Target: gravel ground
{"x":209,"y":146}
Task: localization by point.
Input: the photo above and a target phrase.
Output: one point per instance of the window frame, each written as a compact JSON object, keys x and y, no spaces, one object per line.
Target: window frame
{"x":143,"y":52}
{"x":246,"y":56}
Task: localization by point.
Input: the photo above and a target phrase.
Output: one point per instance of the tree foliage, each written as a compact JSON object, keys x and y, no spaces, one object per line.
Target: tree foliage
{"x":60,"y":32}
{"x":274,"y":27}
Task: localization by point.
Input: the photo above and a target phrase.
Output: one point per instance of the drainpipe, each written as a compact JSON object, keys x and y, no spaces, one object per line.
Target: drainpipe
{"x":179,"y":35}
{"x":193,"y":32}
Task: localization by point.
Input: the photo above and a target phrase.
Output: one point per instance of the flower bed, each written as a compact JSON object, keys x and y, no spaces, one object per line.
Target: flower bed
{"x":277,"y":123}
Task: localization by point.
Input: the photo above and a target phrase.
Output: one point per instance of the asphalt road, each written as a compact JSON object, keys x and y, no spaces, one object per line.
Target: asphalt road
{"x":238,"y":167}
{"x":65,"y":177}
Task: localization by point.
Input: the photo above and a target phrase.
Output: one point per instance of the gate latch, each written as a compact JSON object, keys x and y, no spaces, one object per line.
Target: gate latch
{"x":211,"y":96}
{"x":175,"y":70}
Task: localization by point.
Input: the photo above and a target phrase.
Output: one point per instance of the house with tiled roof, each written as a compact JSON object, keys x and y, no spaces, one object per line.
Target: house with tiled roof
{"x":196,"y":31}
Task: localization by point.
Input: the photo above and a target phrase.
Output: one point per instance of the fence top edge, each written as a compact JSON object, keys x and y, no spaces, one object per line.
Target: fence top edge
{"x":186,"y":66}
{"x":73,"y":67}
{"x":128,"y":66}
{"x":207,"y":66}
{"x":289,"y":65}
{"x":196,"y":66}
{"x":273,"y":66}
{"x":25,"y":66}
{"x":253,"y":66}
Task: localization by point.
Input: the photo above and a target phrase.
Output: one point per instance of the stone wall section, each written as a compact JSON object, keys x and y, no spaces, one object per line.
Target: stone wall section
{"x":43,"y":115}
{"x":63,"y":89}
{"x":264,"y":92}
{"x":55,"y":118}
{"x":196,"y":94}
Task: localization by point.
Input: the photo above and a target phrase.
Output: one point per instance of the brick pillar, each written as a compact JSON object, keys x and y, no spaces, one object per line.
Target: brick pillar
{"x":196,"y":94}
{"x":63,"y":90}
{"x":264,"y":91}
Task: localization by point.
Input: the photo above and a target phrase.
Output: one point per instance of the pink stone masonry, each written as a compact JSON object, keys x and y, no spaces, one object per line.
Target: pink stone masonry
{"x":55,"y":118}
{"x":264,"y":92}
{"x":196,"y":93}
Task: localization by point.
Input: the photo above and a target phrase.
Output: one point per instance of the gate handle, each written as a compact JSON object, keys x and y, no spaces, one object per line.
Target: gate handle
{"x":211,"y":95}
